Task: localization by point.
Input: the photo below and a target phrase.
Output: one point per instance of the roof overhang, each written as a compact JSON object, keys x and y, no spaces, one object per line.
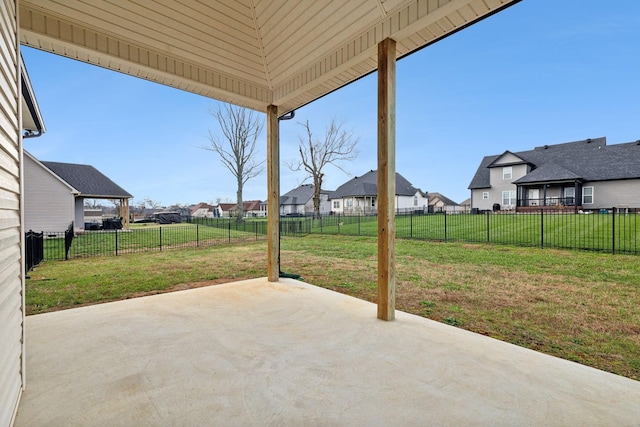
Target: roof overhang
{"x":32,"y":123}
{"x":250,"y":53}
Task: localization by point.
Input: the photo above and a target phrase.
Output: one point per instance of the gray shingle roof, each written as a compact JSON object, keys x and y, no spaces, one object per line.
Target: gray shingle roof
{"x":367,"y":185}
{"x":447,"y":201}
{"x":300,"y":195}
{"x":89,"y":181}
{"x":588,"y":160}
{"x":548,"y":172}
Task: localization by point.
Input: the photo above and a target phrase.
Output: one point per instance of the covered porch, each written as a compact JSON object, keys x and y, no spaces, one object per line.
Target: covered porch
{"x":557,"y":196}
{"x":288,"y":353}
{"x":274,"y":351}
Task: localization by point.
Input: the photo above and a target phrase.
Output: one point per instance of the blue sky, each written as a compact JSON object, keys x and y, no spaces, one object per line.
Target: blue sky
{"x":540,"y":72}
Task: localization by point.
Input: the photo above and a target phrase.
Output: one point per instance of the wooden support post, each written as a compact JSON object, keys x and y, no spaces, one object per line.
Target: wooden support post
{"x":273,"y":201}
{"x":386,"y":178}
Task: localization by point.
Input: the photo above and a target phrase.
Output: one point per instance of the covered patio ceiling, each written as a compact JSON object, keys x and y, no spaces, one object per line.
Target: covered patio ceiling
{"x":271,"y":56}
{"x":252,"y":53}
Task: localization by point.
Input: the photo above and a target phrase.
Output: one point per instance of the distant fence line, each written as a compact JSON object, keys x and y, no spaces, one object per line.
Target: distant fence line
{"x":198,"y":233}
{"x":612,"y":230}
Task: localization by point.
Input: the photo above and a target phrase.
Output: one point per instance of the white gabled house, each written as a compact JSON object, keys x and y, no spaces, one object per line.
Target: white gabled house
{"x":439,"y":203}
{"x":205,"y":210}
{"x":54,"y":194}
{"x":299,"y":201}
{"x":359,"y":195}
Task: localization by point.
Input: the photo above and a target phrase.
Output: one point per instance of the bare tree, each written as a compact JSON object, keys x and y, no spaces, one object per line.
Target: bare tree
{"x":237,"y":147}
{"x":337,"y":145}
{"x":149,"y":203}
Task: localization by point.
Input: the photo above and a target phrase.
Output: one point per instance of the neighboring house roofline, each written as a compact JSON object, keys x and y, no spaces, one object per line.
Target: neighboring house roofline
{"x":447,"y":201}
{"x":367,"y":186}
{"x":500,"y":156}
{"x":89,"y":181}
{"x":589,"y":160}
{"x":50,"y":172}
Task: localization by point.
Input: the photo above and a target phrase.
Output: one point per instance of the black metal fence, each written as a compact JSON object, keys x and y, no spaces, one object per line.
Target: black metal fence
{"x":199,"y":232}
{"x":614,"y":230}
{"x":609,"y":230}
{"x":34,"y":249}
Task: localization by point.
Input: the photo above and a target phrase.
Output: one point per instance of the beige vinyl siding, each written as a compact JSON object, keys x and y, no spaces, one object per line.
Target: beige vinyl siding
{"x":609,"y":194}
{"x":49,"y":202}
{"x":498,"y":185}
{"x":478,"y":202}
{"x":11,"y":284}
{"x":507,"y":159}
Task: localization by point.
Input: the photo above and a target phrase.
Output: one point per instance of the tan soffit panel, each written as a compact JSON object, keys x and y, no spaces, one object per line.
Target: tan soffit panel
{"x":248,"y":52}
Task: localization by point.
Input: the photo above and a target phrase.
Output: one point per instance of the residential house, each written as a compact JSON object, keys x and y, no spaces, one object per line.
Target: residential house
{"x":254,"y":208}
{"x":440,"y":203}
{"x":251,"y":208}
{"x":465,"y":205}
{"x":149,"y":41}
{"x":54,"y":194}
{"x":226,"y":209}
{"x":299,"y":201}
{"x":204,"y":210}
{"x":359,"y":195}
{"x":574,"y":176}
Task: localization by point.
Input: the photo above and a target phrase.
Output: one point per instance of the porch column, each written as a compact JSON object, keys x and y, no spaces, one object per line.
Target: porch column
{"x":544,"y":195}
{"x":575,"y":196}
{"x":273,"y":191}
{"x":386,"y":178}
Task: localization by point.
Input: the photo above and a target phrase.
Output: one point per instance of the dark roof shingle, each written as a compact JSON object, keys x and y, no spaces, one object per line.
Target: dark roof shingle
{"x":367,"y":185}
{"x":300,"y":195}
{"x":89,"y":181}
{"x":589,"y":160}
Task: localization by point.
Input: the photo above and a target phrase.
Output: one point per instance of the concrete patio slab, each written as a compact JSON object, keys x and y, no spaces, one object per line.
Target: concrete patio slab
{"x":255,"y":353}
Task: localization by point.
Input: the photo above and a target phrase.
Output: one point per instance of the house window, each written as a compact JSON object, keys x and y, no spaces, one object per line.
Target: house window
{"x":587,"y":195}
{"x":507,"y":172}
{"x":349,"y":203}
{"x":485,"y":195}
{"x":569,"y":196}
{"x":336,"y":204}
{"x":415,"y":200}
{"x":508,"y":198}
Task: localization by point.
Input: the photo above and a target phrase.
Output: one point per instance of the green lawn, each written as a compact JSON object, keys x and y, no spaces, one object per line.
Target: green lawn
{"x":149,"y":237}
{"x":600,"y":232}
{"x":581,"y":306}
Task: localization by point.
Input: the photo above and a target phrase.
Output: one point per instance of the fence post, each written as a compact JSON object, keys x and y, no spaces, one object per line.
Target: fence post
{"x":542,"y":228}
{"x":229,"y":231}
{"x":613,"y":231}
{"x":116,"y":230}
{"x":445,"y":227}
{"x":359,"y":216}
{"x":411,"y":225}
{"x":487,"y":215}
{"x":160,"y":238}
{"x":197,"y":235}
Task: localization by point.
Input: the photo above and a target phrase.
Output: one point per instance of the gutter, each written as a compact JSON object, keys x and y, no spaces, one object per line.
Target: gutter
{"x":29,"y":99}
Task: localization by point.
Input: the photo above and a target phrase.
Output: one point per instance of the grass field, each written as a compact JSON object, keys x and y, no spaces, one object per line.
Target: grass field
{"x":580,"y":306}
{"x":599,"y":232}
{"x":612,"y":233}
{"x":151,"y":237}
